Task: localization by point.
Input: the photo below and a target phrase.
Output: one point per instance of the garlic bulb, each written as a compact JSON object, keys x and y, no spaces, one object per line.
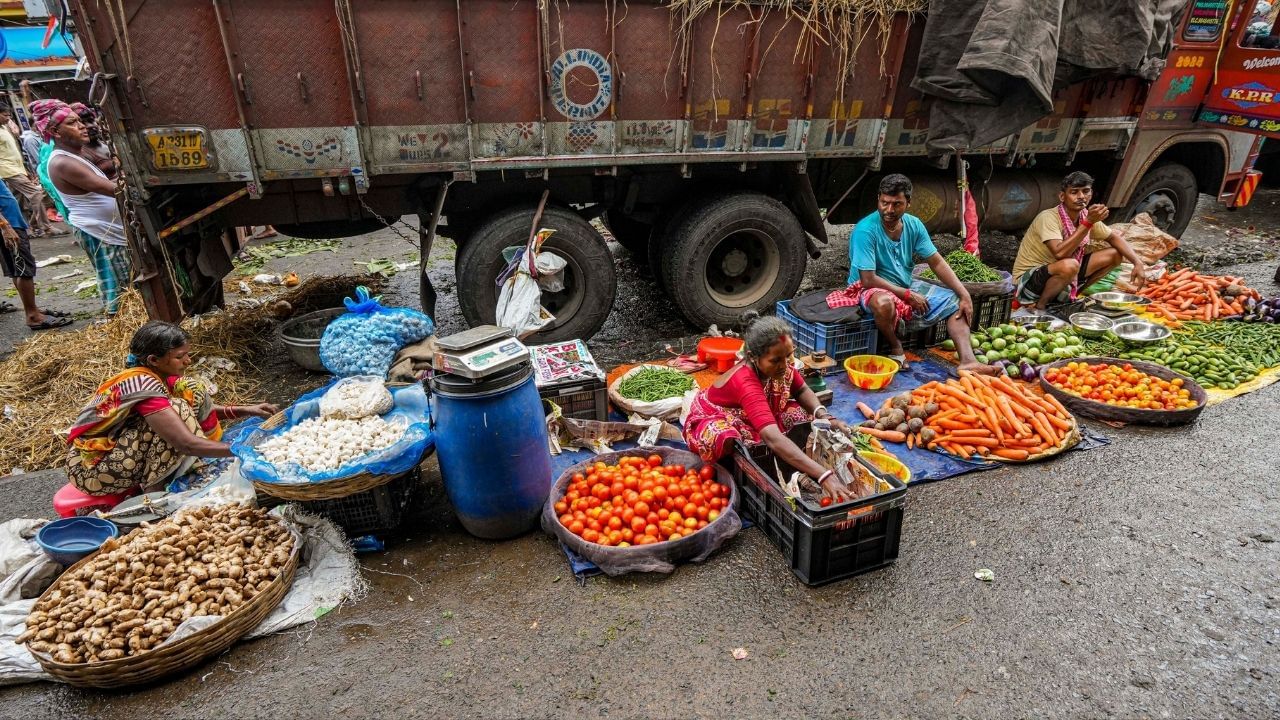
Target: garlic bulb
{"x":318,"y":444}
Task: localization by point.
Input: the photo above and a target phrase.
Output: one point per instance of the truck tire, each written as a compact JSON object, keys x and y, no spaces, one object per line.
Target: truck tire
{"x":1168,"y":192}
{"x":630,"y":234}
{"x":731,"y":253}
{"x":590,"y":281}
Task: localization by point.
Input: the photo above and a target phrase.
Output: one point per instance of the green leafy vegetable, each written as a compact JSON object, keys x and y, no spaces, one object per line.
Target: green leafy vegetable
{"x":967,"y":267}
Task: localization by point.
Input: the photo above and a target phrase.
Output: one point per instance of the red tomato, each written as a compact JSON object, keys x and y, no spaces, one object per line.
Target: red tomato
{"x":825,"y":501}
{"x":615,"y":523}
{"x":591,"y":535}
{"x":711,"y":516}
{"x":660,"y":493}
{"x":655,"y":460}
{"x":689,"y":510}
{"x":562,"y":507}
{"x":641,"y":507}
{"x":638,"y":524}
{"x":566,"y":520}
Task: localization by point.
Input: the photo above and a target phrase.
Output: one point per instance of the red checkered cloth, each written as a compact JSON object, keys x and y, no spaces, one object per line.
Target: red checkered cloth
{"x":856,"y":296}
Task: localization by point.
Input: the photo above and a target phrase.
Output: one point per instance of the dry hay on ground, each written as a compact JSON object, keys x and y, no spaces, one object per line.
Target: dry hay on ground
{"x":48,"y":378}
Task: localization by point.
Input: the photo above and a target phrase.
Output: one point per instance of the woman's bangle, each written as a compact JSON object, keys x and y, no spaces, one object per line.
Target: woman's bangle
{"x":821,"y":409}
{"x":825,"y":475}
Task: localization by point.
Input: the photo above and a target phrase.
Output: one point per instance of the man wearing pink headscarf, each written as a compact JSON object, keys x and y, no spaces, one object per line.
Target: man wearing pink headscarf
{"x":89,"y":196}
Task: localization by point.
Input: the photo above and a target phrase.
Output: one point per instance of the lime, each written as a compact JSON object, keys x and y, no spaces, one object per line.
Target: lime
{"x":974,"y":342}
{"x":948,"y":344}
{"x":1059,"y":342}
{"x":1021,"y":348}
{"x":1033,"y":354}
{"x":999,"y":343}
{"x":1035,"y":333}
{"x":985,"y":347}
{"x":1013,"y":371}
{"x":981,"y":358}
{"x":993,"y":356}
{"x":1033,"y":342}
{"x":1009,"y":329}
{"x":995,"y":333}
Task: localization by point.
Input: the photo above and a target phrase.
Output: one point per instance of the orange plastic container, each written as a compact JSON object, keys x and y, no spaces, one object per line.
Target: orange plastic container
{"x":719,"y":352}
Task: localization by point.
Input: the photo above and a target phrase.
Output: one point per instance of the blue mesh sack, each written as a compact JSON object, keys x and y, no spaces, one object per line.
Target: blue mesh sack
{"x":365,"y":340}
{"x":411,"y":408}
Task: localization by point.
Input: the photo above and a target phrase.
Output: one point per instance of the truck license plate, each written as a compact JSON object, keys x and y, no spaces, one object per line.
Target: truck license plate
{"x":181,"y":150}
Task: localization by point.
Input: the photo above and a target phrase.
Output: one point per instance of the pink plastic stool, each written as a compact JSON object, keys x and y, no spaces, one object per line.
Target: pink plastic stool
{"x":70,"y":502}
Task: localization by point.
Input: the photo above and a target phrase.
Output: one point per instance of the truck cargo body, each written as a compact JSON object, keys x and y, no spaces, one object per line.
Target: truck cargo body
{"x":709,"y":147}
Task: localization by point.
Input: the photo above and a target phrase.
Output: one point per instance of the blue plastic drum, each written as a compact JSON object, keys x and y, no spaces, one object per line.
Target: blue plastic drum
{"x":491,"y":441}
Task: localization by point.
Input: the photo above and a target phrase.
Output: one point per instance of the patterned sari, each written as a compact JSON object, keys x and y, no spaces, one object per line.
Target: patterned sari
{"x":111,"y":448}
{"x":710,"y":428}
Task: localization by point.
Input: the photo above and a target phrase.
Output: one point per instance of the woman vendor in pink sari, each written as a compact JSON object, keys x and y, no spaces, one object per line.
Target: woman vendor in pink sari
{"x":148,"y":424}
{"x":759,"y":400}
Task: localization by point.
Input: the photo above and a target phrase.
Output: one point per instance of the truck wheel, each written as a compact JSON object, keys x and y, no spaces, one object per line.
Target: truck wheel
{"x":590,"y":282}
{"x":1168,"y":193}
{"x":732,"y":253}
{"x":630,"y":234}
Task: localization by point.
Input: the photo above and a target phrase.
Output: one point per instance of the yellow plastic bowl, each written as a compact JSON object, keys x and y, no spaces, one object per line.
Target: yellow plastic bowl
{"x":870,"y":372}
{"x":888,"y":464}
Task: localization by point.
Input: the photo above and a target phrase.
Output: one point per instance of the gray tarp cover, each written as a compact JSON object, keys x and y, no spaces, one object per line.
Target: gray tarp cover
{"x":992,"y":65}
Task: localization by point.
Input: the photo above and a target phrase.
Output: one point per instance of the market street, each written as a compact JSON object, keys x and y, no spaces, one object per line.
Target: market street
{"x":1135,"y":580}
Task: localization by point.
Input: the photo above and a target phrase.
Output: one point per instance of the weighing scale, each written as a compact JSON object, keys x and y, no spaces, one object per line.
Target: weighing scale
{"x":479,"y":352}
{"x":815,"y":364}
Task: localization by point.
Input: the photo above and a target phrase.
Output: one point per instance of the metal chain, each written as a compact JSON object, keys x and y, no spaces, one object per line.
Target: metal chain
{"x":411,"y":239}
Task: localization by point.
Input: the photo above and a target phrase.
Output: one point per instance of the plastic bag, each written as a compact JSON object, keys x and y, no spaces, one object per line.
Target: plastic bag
{"x":1148,"y":241}
{"x":550,"y":271}
{"x":664,"y":409}
{"x":366,"y":339}
{"x":406,"y":453}
{"x":660,"y":557}
{"x":519,"y":300}
{"x":356,"y":397}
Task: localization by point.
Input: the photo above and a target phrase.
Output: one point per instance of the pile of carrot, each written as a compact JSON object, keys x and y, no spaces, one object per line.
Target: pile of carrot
{"x":1188,"y":295}
{"x":987,"y":416}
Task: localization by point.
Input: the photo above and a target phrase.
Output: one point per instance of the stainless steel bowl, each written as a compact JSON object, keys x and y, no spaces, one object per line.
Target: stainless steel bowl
{"x":1120,"y":301}
{"x":1090,"y":324}
{"x":1141,"y":333}
{"x":1039,"y":322}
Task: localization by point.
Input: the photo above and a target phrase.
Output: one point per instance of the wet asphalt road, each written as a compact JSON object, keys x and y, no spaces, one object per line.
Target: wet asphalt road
{"x":1137,"y":580}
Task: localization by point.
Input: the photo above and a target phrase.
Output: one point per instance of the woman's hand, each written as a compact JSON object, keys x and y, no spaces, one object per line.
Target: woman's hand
{"x":838,"y":424}
{"x":834,"y":489}
{"x":262,"y":410}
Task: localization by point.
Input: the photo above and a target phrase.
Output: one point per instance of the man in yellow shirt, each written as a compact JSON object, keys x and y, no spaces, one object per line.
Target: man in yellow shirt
{"x":29,"y":192}
{"x":1052,"y":265}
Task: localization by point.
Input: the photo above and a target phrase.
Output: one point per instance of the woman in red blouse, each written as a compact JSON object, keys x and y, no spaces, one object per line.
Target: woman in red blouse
{"x":148,"y":423}
{"x":759,"y":400}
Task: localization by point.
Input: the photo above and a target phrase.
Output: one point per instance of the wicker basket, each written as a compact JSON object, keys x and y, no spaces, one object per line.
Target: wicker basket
{"x":327,"y":489}
{"x":179,"y":655}
{"x":1116,"y":413}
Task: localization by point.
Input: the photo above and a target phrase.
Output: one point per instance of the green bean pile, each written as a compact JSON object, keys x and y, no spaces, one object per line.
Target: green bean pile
{"x":653,"y":384}
{"x":1257,"y":343}
{"x":967,"y":267}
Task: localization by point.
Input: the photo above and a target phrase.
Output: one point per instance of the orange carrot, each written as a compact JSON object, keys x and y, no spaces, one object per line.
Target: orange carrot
{"x":911,"y":441}
{"x":976,"y":432}
{"x":975,"y":442}
{"x":1012,"y":453}
{"x":953,"y":425}
{"x":888,"y":435}
{"x":958,"y":394}
{"x":866,"y":410}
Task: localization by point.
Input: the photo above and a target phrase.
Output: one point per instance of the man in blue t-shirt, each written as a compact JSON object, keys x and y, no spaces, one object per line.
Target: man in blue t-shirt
{"x":883,"y":248}
{"x":17,"y":262}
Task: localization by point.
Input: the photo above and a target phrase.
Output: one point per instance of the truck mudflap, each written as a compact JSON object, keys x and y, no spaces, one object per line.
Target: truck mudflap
{"x":1248,"y":184}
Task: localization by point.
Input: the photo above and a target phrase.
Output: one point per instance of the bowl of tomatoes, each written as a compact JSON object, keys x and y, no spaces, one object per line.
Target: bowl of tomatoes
{"x":643,"y":510}
{"x":1128,"y":391}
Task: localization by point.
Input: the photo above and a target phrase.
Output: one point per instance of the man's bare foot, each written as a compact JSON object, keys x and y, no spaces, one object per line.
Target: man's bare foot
{"x":980,"y":369}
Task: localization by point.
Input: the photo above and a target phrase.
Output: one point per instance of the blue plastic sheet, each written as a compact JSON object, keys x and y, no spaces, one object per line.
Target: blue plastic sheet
{"x":411,"y":406}
{"x":926,"y":465}
{"x":366,"y":339}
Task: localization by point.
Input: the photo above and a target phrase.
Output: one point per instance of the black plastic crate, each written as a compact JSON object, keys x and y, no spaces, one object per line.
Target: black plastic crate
{"x":587,"y":400}
{"x":376,"y":510}
{"x":825,"y":545}
{"x":987,"y":311}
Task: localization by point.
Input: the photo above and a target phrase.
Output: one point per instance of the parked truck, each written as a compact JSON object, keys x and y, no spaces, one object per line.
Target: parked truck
{"x":711,"y":149}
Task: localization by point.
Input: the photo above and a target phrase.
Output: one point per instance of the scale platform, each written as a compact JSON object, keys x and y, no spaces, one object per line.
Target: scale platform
{"x":478,"y":352}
